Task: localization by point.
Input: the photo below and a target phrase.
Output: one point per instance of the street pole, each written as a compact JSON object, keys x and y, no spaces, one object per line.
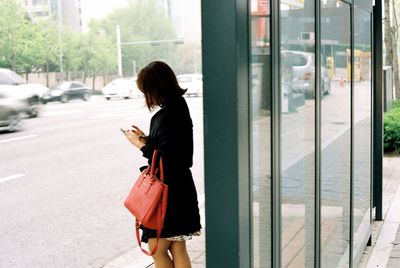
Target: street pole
{"x":60,"y":26}
{"x":134,"y":67}
{"x":194,"y":58}
{"x":119,"y":51}
{"x":153,"y":42}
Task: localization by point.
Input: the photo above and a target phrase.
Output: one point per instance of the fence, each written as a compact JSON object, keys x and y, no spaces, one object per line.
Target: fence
{"x":54,"y":78}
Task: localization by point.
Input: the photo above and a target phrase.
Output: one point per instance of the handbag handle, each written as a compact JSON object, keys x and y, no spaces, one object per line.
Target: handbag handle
{"x":153,"y":169}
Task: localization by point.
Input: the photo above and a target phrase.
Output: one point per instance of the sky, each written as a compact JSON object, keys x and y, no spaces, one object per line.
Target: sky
{"x":98,"y":9}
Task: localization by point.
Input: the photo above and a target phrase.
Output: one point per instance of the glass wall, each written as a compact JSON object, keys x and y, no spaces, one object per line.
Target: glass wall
{"x":362,"y":130}
{"x":335,"y":134}
{"x":342,"y":179}
{"x":288,"y":131}
{"x":297,"y":86}
{"x":260,"y":103}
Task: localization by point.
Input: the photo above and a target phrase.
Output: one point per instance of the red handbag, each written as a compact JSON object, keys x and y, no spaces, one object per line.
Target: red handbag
{"x":147,"y":200}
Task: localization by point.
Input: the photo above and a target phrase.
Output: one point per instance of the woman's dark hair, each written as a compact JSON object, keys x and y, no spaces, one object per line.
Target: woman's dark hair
{"x":158,"y":83}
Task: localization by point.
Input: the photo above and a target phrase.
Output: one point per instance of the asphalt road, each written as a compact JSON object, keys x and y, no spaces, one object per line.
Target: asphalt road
{"x":63,"y":180}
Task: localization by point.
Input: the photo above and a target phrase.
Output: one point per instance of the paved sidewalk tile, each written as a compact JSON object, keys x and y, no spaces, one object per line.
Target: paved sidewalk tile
{"x":394,"y":260}
{"x":384,"y":251}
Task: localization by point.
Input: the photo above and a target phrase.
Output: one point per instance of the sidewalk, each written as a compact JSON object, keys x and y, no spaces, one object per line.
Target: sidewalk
{"x":385,"y":249}
{"x":135,"y":258}
{"x":384,"y":252}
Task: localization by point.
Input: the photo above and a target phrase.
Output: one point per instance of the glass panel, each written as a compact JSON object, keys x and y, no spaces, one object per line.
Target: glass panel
{"x":365,"y":4}
{"x":261,"y":132}
{"x":298,"y":132}
{"x":335,"y":135}
{"x":362,"y":131}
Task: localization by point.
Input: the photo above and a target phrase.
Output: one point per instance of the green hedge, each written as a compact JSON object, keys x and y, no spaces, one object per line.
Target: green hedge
{"x":391,"y":126}
{"x":396,"y":104}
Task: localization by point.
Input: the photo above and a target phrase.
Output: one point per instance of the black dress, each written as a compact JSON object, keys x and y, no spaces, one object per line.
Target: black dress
{"x":171,"y":132}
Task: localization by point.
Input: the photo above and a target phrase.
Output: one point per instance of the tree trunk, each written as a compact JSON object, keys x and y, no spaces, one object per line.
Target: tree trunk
{"x":388,"y":35}
{"x":94,"y":82}
{"x":396,"y":78}
{"x":47,"y":73}
{"x":391,"y":44}
{"x":395,"y":34}
{"x":84,"y":76}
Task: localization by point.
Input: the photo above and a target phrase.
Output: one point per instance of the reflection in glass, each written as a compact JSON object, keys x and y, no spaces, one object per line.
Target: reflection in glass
{"x":260,"y":97}
{"x":335,"y":136}
{"x":362,"y":131}
{"x":297,"y":87}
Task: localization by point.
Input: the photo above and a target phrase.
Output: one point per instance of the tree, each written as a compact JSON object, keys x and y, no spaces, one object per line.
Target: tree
{"x":99,"y":54}
{"x":73,"y":51}
{"x":391,"y":40}
{"x":19,"y":48}
{"x":26,"y":46}
{"x":49,"y":34}
{"x":142,"y":20}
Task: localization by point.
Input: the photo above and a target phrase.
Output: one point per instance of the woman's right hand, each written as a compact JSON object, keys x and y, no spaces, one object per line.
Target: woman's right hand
{"x":134,"y":139}
{"x":139,"y":133}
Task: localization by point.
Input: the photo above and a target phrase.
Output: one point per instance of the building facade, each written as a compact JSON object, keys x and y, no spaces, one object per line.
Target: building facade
{"x":292,"y":131}
{"x":48,"y":9}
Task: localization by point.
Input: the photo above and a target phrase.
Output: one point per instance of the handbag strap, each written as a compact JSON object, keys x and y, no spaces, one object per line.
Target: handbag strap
{"x":160,"y":218}
{"x":159,"y":224}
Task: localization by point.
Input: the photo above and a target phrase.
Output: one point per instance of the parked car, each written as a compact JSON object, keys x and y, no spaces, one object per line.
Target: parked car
{"x":11,"y":110}
{"x":66,"y":91}
{"x":27,"y":92}
{"x":121,"y":88}
{"x":192,"y":82}
{"x":300,"y":66}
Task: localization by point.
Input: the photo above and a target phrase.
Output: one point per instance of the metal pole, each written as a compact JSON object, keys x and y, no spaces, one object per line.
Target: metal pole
{"x":378,"y":111}
{"x":60,"y":26}
{"x":119,"y":56}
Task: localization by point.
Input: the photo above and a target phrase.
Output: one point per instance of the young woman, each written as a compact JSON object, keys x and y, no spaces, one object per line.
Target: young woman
{"x":171,"y":132}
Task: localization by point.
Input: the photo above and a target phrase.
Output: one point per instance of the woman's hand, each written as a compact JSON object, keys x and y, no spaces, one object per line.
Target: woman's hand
{"x":134,"y":138}
{"x":139,"y":133}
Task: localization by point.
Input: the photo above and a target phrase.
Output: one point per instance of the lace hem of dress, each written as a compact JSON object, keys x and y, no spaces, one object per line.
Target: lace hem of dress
{"x":184,"y":237}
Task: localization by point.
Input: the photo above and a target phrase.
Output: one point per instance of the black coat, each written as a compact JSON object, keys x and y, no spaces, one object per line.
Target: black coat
{"x":171,"y":132}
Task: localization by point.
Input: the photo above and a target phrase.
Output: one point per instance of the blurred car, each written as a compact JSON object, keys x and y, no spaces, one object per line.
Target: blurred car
{"x":301,"y":67}
{"x":11,"y":110}
{"x":28,"y":92}
{"x":121,"y":88}
{"x":66,"y":91}
{"x":192,"y":82}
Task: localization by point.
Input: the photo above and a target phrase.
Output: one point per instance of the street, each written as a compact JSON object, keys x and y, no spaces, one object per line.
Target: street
{"x":64,"y":178}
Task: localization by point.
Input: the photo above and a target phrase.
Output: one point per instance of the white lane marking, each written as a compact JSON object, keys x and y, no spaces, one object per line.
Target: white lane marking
{"x":18,"y":138}
{"x":124,"y":109}
{"x":12,"y":177}
{"x":62,"y":112}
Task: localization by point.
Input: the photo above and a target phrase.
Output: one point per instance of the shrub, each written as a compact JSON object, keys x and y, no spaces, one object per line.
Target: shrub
{"x":396,"y":104}
{"x":391,"y":129}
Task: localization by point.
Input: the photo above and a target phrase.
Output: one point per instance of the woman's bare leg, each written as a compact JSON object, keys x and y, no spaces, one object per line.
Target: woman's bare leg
{"x":161,"y":258}
{"x":179,"y":254}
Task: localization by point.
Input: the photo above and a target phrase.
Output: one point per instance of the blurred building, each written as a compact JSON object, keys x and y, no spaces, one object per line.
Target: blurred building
{"x":46,"y":9}
{"x":175,"y":13}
